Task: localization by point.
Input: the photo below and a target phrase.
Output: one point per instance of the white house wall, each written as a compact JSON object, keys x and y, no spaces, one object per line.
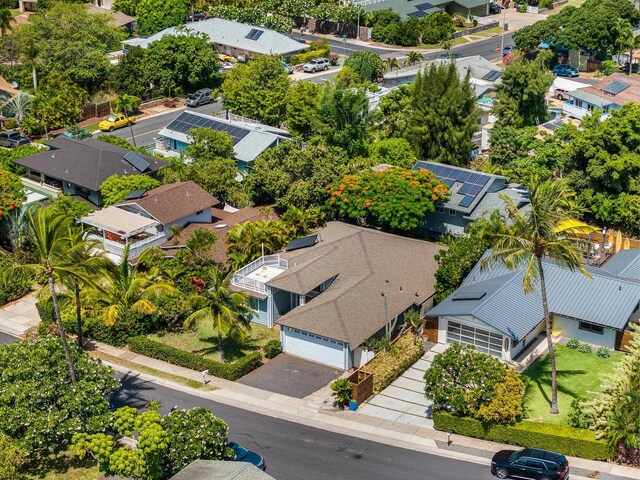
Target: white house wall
{"x":361,"y":357}
{"x":570,"y":329}
{"x":526,"y":340}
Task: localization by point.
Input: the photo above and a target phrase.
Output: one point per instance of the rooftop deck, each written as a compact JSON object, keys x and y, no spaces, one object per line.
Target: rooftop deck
{"x":255,"y":276}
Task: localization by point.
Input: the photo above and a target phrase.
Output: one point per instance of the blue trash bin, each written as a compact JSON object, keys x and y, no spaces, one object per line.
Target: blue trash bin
{"x":353,"y":405}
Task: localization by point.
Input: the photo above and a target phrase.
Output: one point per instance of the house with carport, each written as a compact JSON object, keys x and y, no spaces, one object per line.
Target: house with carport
{"x":331,"y":291}
{"x":491,"y":311}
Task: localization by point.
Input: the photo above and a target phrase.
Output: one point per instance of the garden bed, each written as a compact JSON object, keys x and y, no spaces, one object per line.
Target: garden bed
{"x":578,"y":374}
{"x":202,"y":341}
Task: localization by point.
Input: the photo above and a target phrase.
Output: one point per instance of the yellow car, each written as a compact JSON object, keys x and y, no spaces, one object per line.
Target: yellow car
{"x":115,"y":120}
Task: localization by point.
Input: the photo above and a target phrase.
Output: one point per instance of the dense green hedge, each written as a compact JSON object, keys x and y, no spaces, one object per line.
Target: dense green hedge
{"x":563,"y":439}
{"x":302,"y":58}
{"x":160,"y":351}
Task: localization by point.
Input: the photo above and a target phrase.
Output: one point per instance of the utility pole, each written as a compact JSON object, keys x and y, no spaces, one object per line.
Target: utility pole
{"x":504,"y":29}
{"x":386,"y":316}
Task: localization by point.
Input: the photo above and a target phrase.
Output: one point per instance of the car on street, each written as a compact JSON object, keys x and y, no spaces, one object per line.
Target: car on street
{"x":243,"y":454}
{"x":287,"y":68}
{"x":12,"y":139}
{"x":201,"y":97}
{"x":624,"y":67}
{"x":530,"y":463}
{"x":508,"y":49}
{"x":316,"y":65}
{"x":494,"y":8}
{"x":565,"y":71}
{"x":115,"y":120}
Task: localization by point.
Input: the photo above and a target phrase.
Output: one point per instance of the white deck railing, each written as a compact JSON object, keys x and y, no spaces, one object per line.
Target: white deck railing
{"x":135,"y":248}
{"x":241,"y":279}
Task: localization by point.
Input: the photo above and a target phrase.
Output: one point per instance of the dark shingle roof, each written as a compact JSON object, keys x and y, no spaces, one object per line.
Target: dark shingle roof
{"x":86,"y":163}
{"x":174,"y":201}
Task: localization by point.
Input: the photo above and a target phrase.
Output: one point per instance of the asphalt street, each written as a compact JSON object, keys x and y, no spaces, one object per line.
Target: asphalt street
{"x":297,"y":452}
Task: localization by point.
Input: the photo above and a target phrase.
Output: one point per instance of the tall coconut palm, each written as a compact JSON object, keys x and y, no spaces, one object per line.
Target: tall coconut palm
{"x":19,"y":106}
{"x":390,"y":64}
{"x":547,"y":229}
{"x":6,"y":21}
{"x":247,"y":241}
{"x":228,"y":311}
{"x":127,"y":289}
{"x":412,"y":58}
{"x":53,"y":258}
{"x":30,"y":58}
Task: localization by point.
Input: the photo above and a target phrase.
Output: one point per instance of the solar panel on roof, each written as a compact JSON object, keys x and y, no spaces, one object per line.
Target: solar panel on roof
{"x":615,"y":87}
{"x":448,"y":182}
{"x":418,"y":14}
{"x":435,"y":169}
{"x":468,"y":296}
{"x":492,"y":75}
{"x":483,"y":181}
{"x":420,"y":165}
{"x":424,"y":6}
{"x":137,"y":161}
{"x":464,"y":176}
{"x":304,"y":242}
{"x":467,"y":200}
{"x":135,"y":194}
{"x":475,"y":190}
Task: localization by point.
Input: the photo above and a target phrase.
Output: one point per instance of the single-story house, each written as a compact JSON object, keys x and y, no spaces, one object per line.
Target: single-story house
{"x":144,"y":219}
{"x":249,"y":138}
{"x":79,"y":167}
{"x":217,"y":470}
{"x":237,"y":39}
{"x":611,"y":93}
{"x":119,"y":19}
{"x":484,"y":75}
{"x":491,"y":311}
{"x":472,"y":195}
{"x":410,"y":8}
{"x":334,"y":289}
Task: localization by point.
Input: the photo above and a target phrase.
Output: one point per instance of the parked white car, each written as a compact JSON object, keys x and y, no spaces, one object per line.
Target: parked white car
{"x":316,"y":65}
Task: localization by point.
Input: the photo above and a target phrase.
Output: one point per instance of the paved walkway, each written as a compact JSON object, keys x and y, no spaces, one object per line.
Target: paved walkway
{"x":403,"y":401}
{"x":18,"y":316}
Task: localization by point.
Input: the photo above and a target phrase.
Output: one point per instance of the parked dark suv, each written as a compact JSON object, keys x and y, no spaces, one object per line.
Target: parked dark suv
{"x":11,"y":139}
{"x":530,"y":463}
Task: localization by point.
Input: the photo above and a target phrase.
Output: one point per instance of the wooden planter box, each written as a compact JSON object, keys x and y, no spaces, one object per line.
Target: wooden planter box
{"x":362,"y":385}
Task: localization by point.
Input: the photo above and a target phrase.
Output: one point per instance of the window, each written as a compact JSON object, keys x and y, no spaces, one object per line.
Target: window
{"x":440,"y":209}
{"x":199,"y":212}
{"x":590,"y":327}
{"x":451,"y":212}
{"x":484,"y":341}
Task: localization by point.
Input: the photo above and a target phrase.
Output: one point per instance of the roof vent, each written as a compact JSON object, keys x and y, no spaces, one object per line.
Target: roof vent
{"x":468,"y":296}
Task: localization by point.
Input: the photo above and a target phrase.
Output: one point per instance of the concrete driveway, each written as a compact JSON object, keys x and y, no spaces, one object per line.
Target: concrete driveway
{"x":291,"y":376}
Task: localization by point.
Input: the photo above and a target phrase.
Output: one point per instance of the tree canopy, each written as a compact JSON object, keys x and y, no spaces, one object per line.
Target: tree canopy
{"x":443,"y":116}
{"x":394,"y":198}
{"x":342,"y":118}
{"x":367,"y":64}
{"x":39,"y":408}
{"x":302,"y":108}
{"x":116,"y":187}
{"x":11,"y":192}
{"x":156,"y":15}
{"x":258,"y":90}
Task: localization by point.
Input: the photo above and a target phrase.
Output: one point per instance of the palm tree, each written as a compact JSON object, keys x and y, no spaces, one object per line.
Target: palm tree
{"x":390,"y":64}
{"x":228,"y":311}
{"x":30,"y":57}
{"x":546,"y":229}
{"x":246,"y":242}
{"x":19,"y":106}
{"x":300,"y":222}
{"x":623,"y":426}
{"x":6,"y":21}
{"x":127,"y":290}
{"x":53,"y":258}
{"x":413,"y":57}
{"x":175,"y":231}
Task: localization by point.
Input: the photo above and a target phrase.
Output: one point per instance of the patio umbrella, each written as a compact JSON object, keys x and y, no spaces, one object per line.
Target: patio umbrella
{"x":618,"y":241}
{"x":625,"y":245}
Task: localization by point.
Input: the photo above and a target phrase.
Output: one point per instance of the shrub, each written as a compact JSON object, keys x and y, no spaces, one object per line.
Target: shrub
{"x":11,"y":457}
{"x":342,"y":390}
{"x":505,"y":405}
{"x":458,"y":20}
{"x":584,"y":348}
{"x":603,"y":352}
{"x":302,"y":58}
{"x":390,"y":363}
{"x":46,"y":311}
{"x":272,"y":348}
{"x":565,"y":440}
{"x":367,"y":64}
{"x":573,"y":343}
{"x":545,"y":4}
{"x":10,"y":291}
{"x":474,"y":22}
{"x":607,"y":67}
{"x":228,"y":371}
{"x":576,"y":417}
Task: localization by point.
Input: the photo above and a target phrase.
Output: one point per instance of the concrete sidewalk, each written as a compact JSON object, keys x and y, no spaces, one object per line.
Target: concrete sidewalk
{"x":19,"y":316}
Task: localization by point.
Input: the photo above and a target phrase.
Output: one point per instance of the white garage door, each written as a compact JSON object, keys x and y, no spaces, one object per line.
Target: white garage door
{"x":314,"y":347}
{"x":485,"y":341}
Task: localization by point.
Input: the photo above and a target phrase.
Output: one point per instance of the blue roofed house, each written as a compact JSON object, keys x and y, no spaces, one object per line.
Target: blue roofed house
{"x":491,"y":311}
{"x":472,"y":195}
{"x":249,"y":138}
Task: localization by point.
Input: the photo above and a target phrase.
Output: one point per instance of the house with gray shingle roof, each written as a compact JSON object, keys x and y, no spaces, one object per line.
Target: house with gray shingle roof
{"x":334,"y":289}
{"x":230,"y":38}
{"x":472,"y":195}
{"x":491,"y":311}
{"x":423,"y":8}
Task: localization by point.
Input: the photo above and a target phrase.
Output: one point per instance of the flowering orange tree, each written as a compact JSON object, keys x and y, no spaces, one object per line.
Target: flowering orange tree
{"x":11,"y":192}
{"x":395,"y":198}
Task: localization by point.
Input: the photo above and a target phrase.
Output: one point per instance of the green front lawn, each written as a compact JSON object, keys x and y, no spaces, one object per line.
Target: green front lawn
{"x":202,"y":340}
{"x":578,"y":374}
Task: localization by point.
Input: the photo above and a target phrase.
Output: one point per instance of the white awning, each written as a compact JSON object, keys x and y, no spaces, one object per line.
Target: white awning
{"x":117,"y":220}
